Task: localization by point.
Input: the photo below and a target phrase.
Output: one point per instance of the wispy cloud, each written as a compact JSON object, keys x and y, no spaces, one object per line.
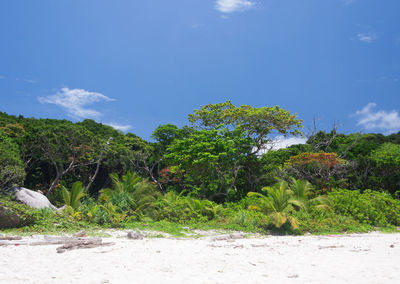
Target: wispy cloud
{"x":74,"y":101}
{"x":348,"y":2}
{"x":387,"y":121}
{"x":231,"y":6}
{"x":2,"y":77}
{"x":367,"y":37}
{"x":117,"y":126}
{"x":29,"y":81}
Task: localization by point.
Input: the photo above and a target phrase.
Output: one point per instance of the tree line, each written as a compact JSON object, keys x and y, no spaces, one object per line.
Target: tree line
{"x":222,"y":155}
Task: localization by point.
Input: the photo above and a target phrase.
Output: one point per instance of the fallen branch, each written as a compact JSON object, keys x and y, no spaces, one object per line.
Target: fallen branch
{"x":82,"y":245}
{"x":68,"y":243}
{"x":10,"y":238}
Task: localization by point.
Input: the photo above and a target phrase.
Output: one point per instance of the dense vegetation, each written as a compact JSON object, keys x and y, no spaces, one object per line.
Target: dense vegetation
{"x":219,"y":171}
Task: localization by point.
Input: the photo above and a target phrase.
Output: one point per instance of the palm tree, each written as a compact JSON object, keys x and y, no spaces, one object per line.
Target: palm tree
{"x":302,"y":191}
{"x":72,"y":198}
{"x":131,"y":194}
{"x":278,"y":202}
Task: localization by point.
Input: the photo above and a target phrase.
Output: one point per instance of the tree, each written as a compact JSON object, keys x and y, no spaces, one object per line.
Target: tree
{"x":211,"y":158}
{"x":324,"y":170}
{"x":386,"y":173}
{"x":12,"y":170}
{"x":258,"y":123}
{"x":67,"y":147}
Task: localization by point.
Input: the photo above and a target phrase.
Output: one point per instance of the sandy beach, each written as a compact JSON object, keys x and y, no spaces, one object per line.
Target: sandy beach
{"x":355,"y":258}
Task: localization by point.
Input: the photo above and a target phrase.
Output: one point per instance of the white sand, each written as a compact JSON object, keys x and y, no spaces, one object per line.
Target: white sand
{"x":358,"y":258}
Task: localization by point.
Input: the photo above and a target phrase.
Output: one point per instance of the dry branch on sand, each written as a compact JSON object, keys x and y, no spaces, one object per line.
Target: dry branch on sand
{"x":68,"y":243}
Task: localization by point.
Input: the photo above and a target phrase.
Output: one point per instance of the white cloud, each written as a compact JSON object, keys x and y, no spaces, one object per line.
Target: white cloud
{"x":2,"y":77}
{"x":75,"y":100}
{"x":282,"y":142}
{"x":230,"y":6}
{"x":378,"y":120}
{"x":29,"y":81}
{"x":120,"y":127}
{"x":367,"y":37}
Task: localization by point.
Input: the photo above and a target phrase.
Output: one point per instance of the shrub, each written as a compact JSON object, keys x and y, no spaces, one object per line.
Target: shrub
{"x":370,"y":207}
{"x":131,"y":194}
{"x":27,"y":215}
{"x":178,"y":208}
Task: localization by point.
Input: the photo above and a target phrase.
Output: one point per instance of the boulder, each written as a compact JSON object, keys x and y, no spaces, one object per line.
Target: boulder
{"x":32,"y":198}
{"x":135,"y":236}
{"x":8,"y":218}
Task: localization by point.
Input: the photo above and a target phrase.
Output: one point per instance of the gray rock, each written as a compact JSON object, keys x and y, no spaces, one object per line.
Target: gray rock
{"x":135,"y":236}
{"x":32,"y":198}
{"x":8,"y":218}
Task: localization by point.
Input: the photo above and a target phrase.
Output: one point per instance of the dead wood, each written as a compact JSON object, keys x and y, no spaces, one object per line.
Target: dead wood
{"x":82,"y":245}
{"x":10,"y":238}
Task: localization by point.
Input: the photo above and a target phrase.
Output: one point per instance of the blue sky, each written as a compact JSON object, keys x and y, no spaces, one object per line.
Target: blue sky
{"x":138,"y":64}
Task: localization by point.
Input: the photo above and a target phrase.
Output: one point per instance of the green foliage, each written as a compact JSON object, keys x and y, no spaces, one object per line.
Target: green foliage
{"x":278,"y":203}
{"x":257,"y":122}
{"x":387,"y":155}
{"x":303,"y":190}
{"x":181,"y":209}
{"x":283,"y":200}
{"x":12,"y":172}
{"x":370,"y":207}
{"x":132,"y":195}
{"x":72,"y":197}
{"x":27,"y":215}
{"x":318,"y":222}
{"x":212,"y":158}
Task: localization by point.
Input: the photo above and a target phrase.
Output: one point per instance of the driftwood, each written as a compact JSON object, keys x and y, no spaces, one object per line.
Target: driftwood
{"x":10,"y":238}
{"x":68,"y":243}
{"x":228,"y":237}
{"x":82,"y":245}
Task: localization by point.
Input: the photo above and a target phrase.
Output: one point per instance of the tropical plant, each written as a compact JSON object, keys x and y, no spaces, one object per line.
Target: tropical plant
{"x":73,"y":197}
{"x":278,"y":203}
{"x":302,"y":190}
{"x":131,"y":194}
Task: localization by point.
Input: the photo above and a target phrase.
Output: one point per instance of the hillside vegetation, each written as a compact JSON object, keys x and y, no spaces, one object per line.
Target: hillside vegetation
{"x":217,"y":172}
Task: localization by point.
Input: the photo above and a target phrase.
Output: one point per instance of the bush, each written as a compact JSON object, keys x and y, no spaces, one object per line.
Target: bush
{"x":370,"y":207}
{"x":177,"y":208}
{"x":27,"y":215}
{"x":328,"y":222}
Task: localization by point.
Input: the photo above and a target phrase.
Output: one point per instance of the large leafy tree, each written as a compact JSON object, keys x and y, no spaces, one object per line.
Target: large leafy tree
{"x":67,"y":147}
{"x":221,"y":154}
{"x":211,"y":159}
{"x":257,"y":123}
